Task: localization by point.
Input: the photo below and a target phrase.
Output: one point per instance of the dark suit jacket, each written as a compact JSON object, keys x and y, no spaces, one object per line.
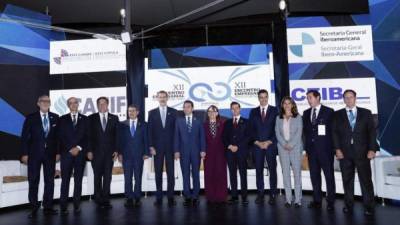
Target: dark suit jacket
{"x":264,"y":131}
{"x":188,"y":143}
{"x":100,"y":142}
{"x":133,"y":147}
{"x":310,"y":132}
{"x":33,"y":140}
{"x":162,"y":138}
{"x":69,"y":136}
{"x":364,"y":134}
{"x":236,"y":136}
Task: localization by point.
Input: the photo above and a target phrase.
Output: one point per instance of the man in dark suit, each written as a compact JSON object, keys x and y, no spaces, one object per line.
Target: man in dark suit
{"x":354,"y":138}
{"x":73,"y":138}
{"x":161,"y":124}
{"x":134,"y":149}
{"x":262,"y":122}
{"x":40,"y":147}
{"x":236,"y":141}
{"x":317,"y":127}
{"x":103,"y":150}
{"x":190,"y":147}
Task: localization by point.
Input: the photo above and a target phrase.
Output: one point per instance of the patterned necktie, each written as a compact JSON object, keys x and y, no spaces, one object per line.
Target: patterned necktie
{"x":45,"y":125}
{"x":163,"y":116}
{"x":263,"y":115}
{"x":352,"y":119}
{"x":104,"y":122}
{"x":189,"y":124}
{"x":74,"y":120}
{"x":133,"y":129}
{"x":235,"y":122}
{"x":314,"y":117}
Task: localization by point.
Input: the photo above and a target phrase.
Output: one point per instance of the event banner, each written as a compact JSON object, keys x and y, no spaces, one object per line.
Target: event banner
{"x":330,"y":44}
{"x":331,"y":92}
{"x":331,"y":54}
{"x":87,"y":100}
{"x":207,"y":86}
{"x":88,"y":55}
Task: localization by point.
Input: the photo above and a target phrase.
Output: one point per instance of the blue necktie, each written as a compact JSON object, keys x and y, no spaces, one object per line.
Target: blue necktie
{"x":45,"y":125}
{"x":314,"y":117}
{"x":133,"y":129}
{"x":352,"y":119}
{"x":189,"y":124}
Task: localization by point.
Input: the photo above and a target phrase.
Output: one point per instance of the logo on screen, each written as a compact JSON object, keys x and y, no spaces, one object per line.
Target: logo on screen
{"x":306,"y":39}
{"x":199,"y":91}
{"x":58,"y":60}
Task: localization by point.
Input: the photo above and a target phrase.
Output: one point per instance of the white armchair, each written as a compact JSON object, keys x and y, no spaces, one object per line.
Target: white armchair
{"x":388,"y":177}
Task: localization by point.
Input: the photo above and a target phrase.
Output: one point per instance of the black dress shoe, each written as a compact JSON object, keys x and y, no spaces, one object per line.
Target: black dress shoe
{"x":245,"y":201}
{"x":33,"y":213}
{"x":187,"y":202}
{"x":297,"y":205}
{"x":233,"y":200}
{"x":106,"y":205}
{"x":77,"y":209}
{"x":288,"y":205}
{"x":195,"y":202}
{"x":348,"y":210}
{"x":330,"y":207}
{"x":50,"y":211}
{"x":138,"y":202}
{"x":171,"y":202}
{"x":369,"y":212}
{"x":271,"y":200}
{"x":260,"y":199}
{"x":64,"y":212}
{"x":314,"y":205}
{"x":129,"y":203}
{"x":158,"y":202}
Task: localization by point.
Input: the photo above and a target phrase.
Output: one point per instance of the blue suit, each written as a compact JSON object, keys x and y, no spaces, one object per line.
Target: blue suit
{"x":72,"y":136}
{"x":189,"y":144}
{"x":133,"y":148}
{"x":320,"y":152}
{"x":41,"y":150}
{"x":264,"y":131}
{"x":162,"y":139}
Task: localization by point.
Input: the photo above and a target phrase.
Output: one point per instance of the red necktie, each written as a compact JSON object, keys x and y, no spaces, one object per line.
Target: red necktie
{"x":235,"y":123}
{"x":263,"y":115}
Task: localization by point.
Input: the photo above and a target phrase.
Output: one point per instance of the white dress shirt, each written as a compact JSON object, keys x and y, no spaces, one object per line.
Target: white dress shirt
{"x":317,"y":108}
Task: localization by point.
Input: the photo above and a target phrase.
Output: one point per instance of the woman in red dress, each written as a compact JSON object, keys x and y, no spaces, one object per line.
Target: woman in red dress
{"x":215,"y":172}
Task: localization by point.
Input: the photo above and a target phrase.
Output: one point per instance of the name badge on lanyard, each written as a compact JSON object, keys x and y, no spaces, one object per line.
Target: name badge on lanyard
{"x":321,"y":130}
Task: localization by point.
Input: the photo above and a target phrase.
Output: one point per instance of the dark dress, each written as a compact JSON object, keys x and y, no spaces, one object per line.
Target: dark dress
{"x":215,"y":171}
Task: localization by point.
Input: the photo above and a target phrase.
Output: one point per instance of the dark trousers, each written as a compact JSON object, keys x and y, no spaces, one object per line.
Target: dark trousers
{"x":49,"y":166}
{"x":70,"y":163}
{"x":159,"y":166}
{"x":348,"y":166}
{"x":190,"y":165}
{"x":102,"y":169}
{"x":237,"y":161}
{"x":133,"y":168}
{"x":324,"y":162}
{"x":260,"y":156}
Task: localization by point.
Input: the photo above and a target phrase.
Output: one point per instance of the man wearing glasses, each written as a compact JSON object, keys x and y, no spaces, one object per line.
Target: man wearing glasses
{"x":39,"y":147}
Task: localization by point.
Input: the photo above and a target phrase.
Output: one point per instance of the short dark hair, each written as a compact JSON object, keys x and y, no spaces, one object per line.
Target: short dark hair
{"x":42,"y":96}
{"x":315,"y":93}
{"x":162,"y":92}
{"x":235,"y":103}
{"x":188,"y":102}
{"x":262,"y":91}
{"x":102,"y":98}
{"x":134,"y":106}
{"x":350,"y":91}
{"x":69,"y":99}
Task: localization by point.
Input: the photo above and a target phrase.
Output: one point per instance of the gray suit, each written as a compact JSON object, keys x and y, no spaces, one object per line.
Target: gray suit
{"x":291,"y":158}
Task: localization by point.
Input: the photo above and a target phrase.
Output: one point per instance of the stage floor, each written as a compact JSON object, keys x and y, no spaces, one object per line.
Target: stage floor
{"x":147,"y":213}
